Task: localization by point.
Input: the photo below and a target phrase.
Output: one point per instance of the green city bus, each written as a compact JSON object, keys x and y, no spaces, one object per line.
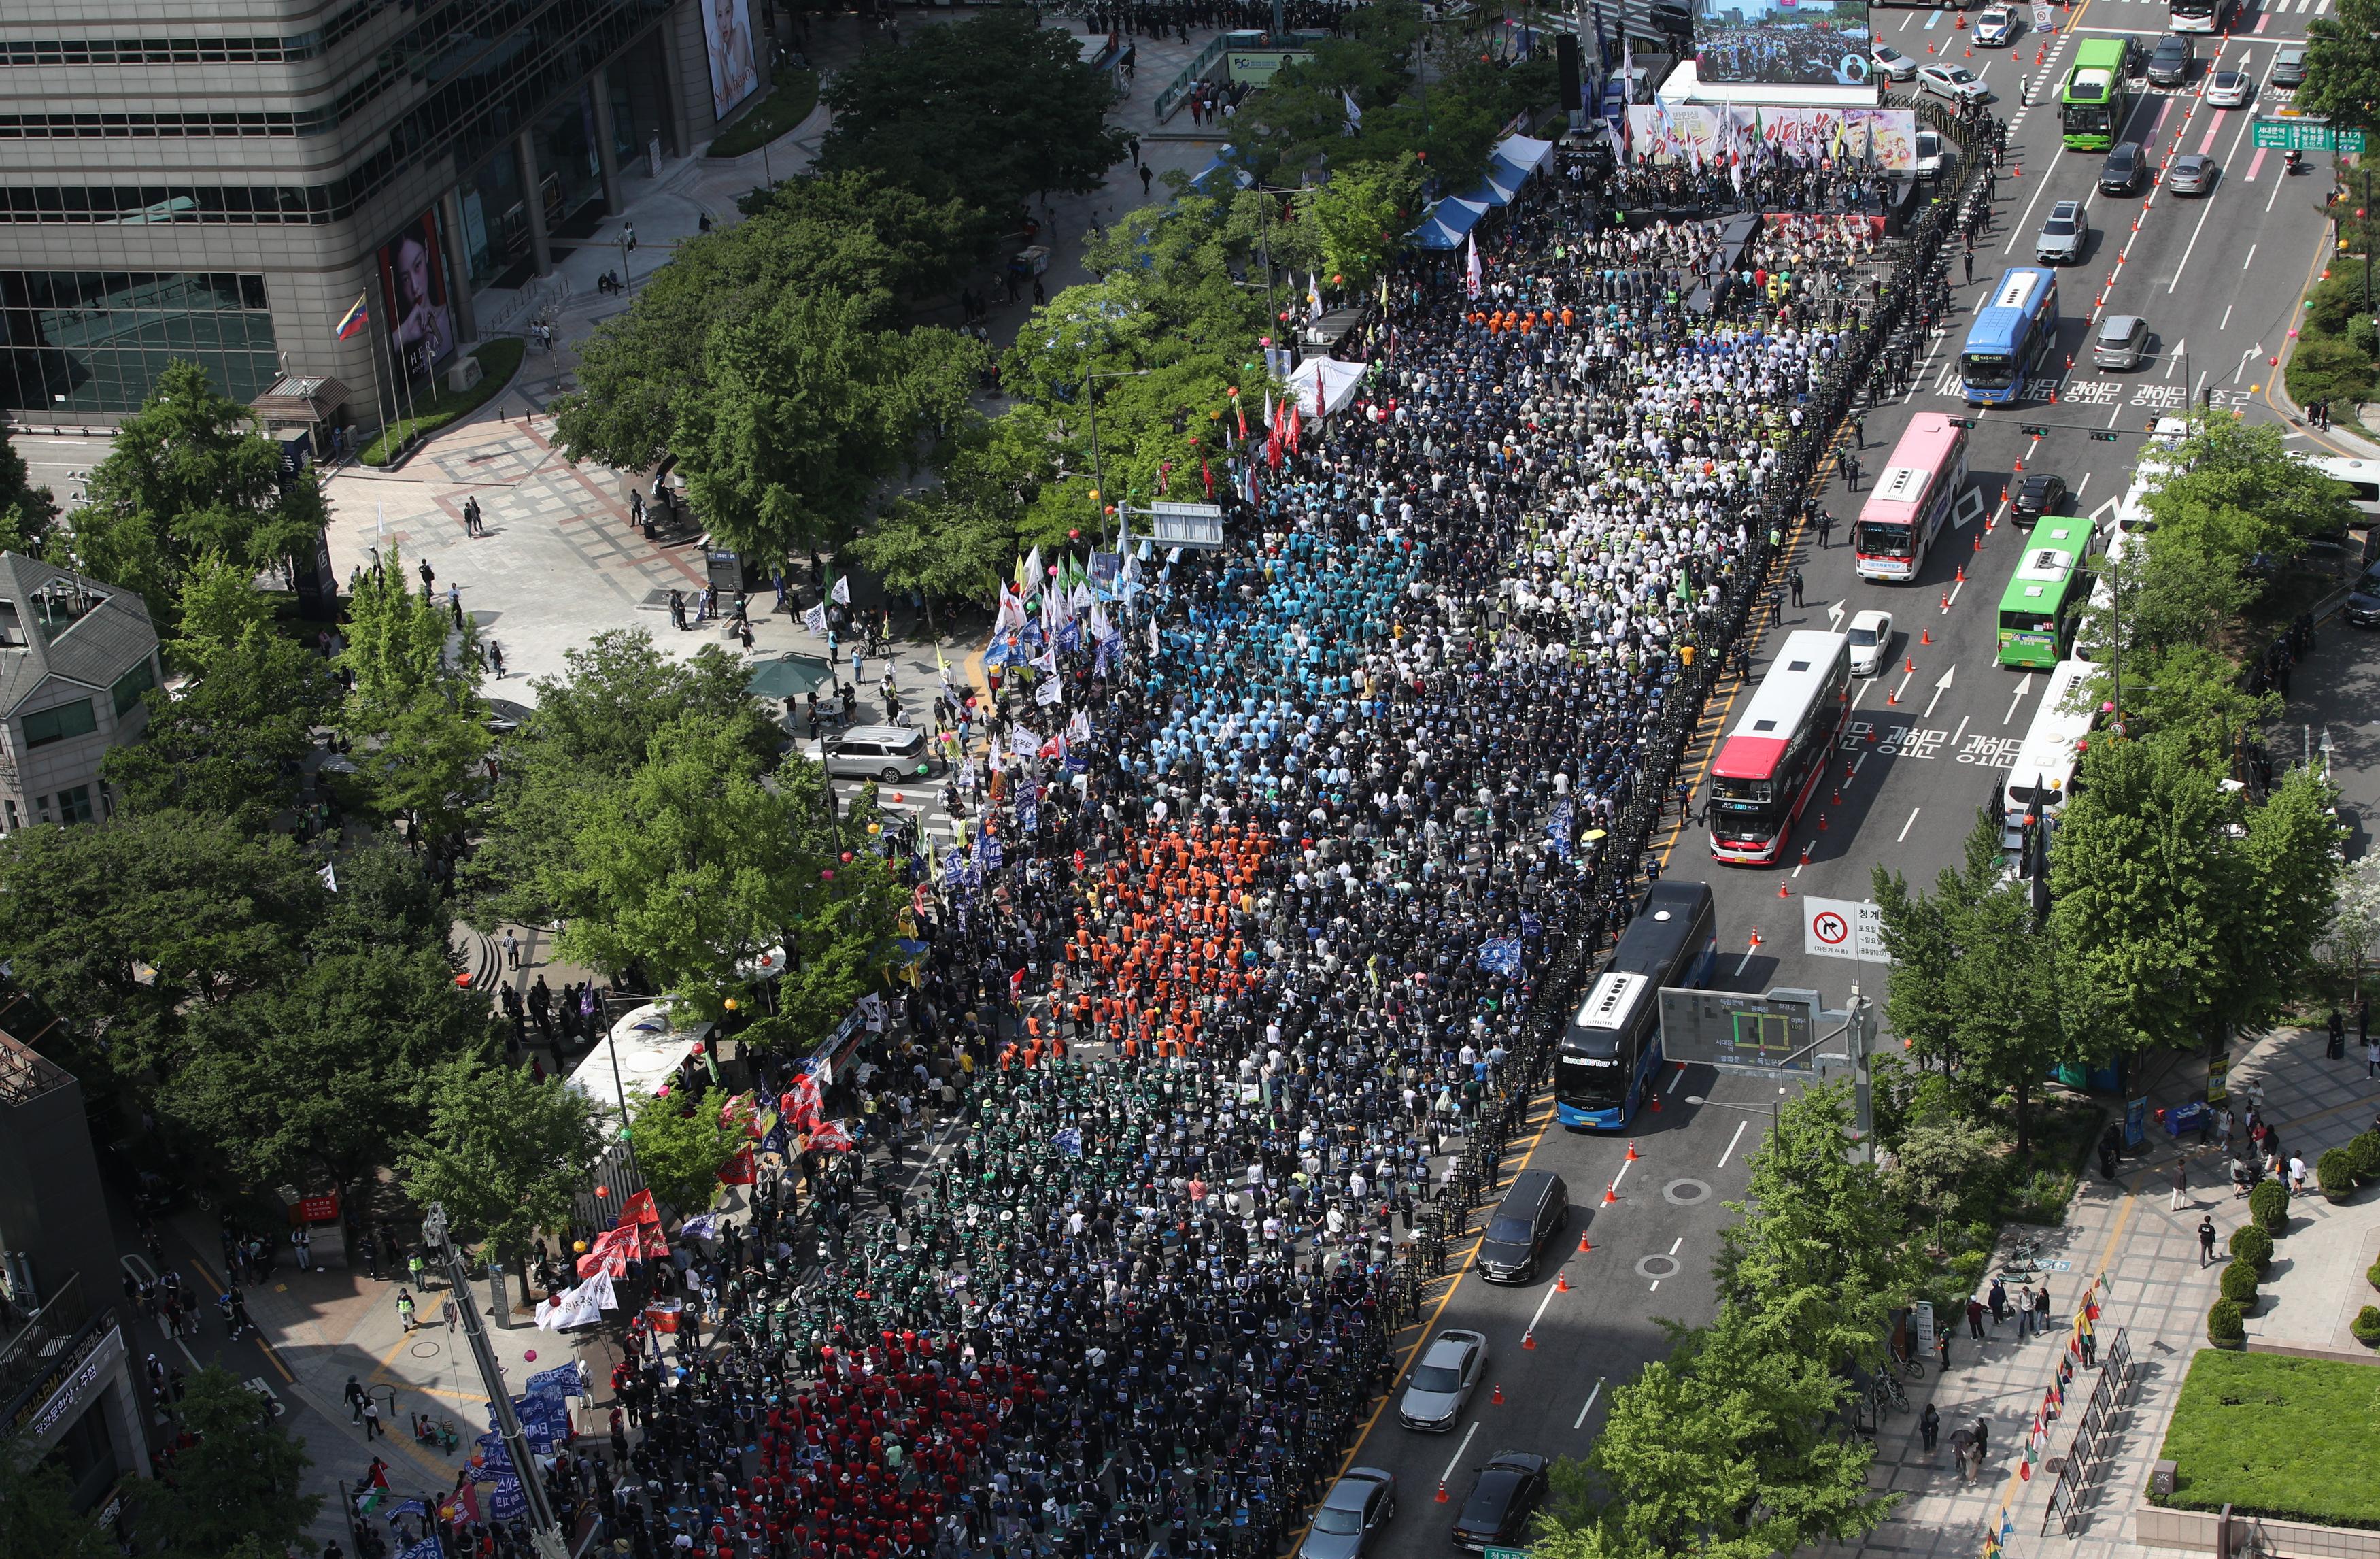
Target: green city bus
{"x":2044,"y":604}
{"x":2093,"y":102}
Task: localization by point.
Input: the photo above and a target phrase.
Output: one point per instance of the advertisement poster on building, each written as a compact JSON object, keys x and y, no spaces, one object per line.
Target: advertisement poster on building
{"x":1734,"y":135}
{"x":727,"y":35}
{"x":413,"y":291}
{"x":1783,"y":43}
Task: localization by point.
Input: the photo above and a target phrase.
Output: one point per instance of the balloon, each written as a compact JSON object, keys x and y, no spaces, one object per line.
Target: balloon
{"x":578,"y":1247}
{"x":603,"y":1190}
{"x":873,"y":828}
{"x":846,"y":858}
{"x":730,"y":1003}
{"x":826,"y":876}
{"x":1073,"y":535}
{"x":530,"y":1356}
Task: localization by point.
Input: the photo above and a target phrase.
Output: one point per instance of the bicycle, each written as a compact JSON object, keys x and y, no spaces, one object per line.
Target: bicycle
{"x":1887,"y":1392}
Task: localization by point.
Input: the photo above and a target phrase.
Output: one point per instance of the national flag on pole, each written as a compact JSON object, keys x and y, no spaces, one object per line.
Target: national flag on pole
{"x":353,"y":322}
{"x":1471,"y":268}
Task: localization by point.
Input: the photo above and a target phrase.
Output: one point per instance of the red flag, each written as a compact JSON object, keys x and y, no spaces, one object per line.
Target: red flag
{"x":640,"y":1211}
{"x":739,"y":1170}
{"x":1297,"y":424}
{"x":830,"y":1138}
{"x":1240,"y":409}
{"x":1206,"y":475}
{"x":611,"y":1253}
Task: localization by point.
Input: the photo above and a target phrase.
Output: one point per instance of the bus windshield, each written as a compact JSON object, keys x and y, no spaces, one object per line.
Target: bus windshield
{"x":1739,"y":790}
{"x":1990,"y":371}
{"x":1594,"y":1082}
{"x":2025,"y":622}
{"x":2085,"y":118}
{"x":1886,"y":541}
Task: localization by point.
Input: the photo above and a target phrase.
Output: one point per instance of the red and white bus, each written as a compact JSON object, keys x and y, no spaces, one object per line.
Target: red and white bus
{"x":1775,"y":756}
{"x":1912,"y":499}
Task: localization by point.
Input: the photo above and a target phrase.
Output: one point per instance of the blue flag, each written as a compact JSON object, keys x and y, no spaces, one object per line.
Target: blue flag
{"x":1501,"y":955}
{"x":1532,"y":926}
{"x":506,"y":1501}
{"x":562,"y":1380}
{"x":1068,"y":1141}
{"x":426,"y":1549}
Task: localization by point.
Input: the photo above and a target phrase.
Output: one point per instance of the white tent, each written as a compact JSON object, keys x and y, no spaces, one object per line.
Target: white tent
{"x":649,"y":1049}
{"x":1325,"y":385}
{"x":1524,"y":152}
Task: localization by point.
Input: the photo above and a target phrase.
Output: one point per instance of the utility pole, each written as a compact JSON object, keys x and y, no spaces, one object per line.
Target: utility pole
{"x":545,"y":1535}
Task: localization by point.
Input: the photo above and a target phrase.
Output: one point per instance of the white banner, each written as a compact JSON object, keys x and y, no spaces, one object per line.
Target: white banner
{"x":1884,"y":138}
{"x":1843,"y":927}
{"x":582,"y":1306}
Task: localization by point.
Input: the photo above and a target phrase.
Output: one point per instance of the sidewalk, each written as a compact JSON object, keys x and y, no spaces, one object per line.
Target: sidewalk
{"x":2155,"y":1290}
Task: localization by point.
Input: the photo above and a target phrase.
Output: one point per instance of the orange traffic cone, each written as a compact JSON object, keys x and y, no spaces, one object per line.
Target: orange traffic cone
{"x":1610,"y":1198}
{"x":1927,"y":636}
{"x":1562,"y":1278}
{"x":1631,"y":1149}
{"x":1582,"y":1246}
{"x":1963,"y":573}
{"x":1442,"y":1491}
{"x":1909,"y":664}
{"x":1499,"y":1398}
{"x":1529,"y":1340}
{"x":1784,"y":892}
{"x":1946,"y":601}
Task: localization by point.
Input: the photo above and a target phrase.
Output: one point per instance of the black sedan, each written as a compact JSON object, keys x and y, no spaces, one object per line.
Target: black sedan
{"x":2362,"y":607}
{"x":2039,"y":493}
{"x":1510,"y":1488}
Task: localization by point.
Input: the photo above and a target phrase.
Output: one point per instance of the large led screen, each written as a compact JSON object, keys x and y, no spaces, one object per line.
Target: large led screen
{"x":1783,"y":43}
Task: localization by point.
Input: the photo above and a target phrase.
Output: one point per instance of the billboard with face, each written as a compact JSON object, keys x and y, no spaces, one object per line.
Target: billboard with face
{"x":1705,"y":135}
{"x":1783,"y":43}
{"x":413,"y":296}
{"x":727,"y":38}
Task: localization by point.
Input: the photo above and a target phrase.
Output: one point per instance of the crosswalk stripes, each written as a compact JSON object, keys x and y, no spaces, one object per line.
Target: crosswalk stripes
{"x":923,"y":803}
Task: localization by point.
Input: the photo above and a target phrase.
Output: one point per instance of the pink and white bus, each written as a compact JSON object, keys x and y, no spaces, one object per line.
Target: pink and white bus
{"x":1912,"y":499}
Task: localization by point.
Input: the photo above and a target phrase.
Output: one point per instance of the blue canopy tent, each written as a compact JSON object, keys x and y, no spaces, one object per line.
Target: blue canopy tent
{"x":1448,"y":222}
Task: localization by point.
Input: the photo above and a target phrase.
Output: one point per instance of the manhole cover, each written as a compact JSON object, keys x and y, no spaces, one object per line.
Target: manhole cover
{"x":1657,"y":1267}
{"x":1685,"y":1193}
{"x":427,"y":1350}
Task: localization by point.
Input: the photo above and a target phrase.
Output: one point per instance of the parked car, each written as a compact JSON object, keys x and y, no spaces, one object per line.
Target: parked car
{"x":1954,"y":81}
{"x":1358,"y":1506}
{"x":2229,"y":89}
{"x":2362,"y":607}
{"x":1532,"y":1214}
{"x":1871,"y":636}
{"x":1892,"y":64}
{"x":1995,"y":27}
{"x":1509,"y":1490}
{"x":2037,"y":493}
{"x":879,"y":752}
{"x":2125,"y":168}
{"x":2062,"y":238}
{"x":1933,"y":153}
{"x":2170,"y":61}
{"x":2122,"y":342}
{"x":2289,"y":66}
{"x":2193,"y":173}
{"x":1443,"y":1383}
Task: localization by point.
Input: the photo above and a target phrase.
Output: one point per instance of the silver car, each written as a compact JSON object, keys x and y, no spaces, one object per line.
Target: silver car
{"x":2060,"y":240}
{"x":1359,"y":1505}
{"x":2193,"y":174}
{"x":1442,"y":1382}
{"x":879,"y":752}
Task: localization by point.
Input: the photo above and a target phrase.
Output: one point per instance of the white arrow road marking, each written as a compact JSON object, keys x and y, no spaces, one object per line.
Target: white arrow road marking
{"x":1939,"y":689}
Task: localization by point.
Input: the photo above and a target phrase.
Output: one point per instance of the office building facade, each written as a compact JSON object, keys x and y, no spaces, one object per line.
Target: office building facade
{"x":227,"y":181}
{"x":75,"y":657}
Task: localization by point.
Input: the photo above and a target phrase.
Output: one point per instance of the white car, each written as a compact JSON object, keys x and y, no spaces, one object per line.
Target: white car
{"x":1933,"y":152}
{"x":1442,"y":1382}
{"x":1892,"y":64}
{"x":2229,"y":89}
{"x":1871,"y":637}
{"x":1995,"y":27}
{"x":1954,"y":81}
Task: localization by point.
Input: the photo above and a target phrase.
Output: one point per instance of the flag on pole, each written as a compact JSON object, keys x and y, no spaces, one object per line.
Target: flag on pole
{"x":352,"y":322}
{"x":1471,"y":268}
{"x":1354,"y":115}
{"x":842,"y":591}
{"x":1313,"y":295}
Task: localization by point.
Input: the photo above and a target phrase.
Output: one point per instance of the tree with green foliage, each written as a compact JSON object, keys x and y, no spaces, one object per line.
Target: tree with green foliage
{"x":414,"y":715}
{"x":122,"y":928}
{"x":990,"y":111}
{"x":854,"y":236}
{"x":1818,"y":1254}
{"x":27,"y":513}
{"x":316,"y":1080}
{"x":234,"y":1488}
{"x":505,"y":1153}
{"x":682,"y":1142}
{"x":593,"y":727}
{"x":2342,"y":67}
{"x":37,"y":1513}
{"x":811,"y":406}
{"x":187,"y":475}
{"x":228,"y":743}
{"x":1363,"y":215}
{"x":218,"y":605}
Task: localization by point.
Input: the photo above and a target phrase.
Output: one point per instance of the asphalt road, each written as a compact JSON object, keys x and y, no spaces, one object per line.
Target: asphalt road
{"x":2218,"y":280}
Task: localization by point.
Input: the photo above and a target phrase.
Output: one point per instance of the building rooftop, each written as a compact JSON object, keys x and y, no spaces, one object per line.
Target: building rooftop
{"x":55,"y":623}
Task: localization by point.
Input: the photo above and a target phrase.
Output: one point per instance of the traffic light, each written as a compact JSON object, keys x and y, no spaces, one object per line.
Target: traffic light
{"x":2103,"y":438}
{"x":2035,"y":431}
{"x":1963,"y":422}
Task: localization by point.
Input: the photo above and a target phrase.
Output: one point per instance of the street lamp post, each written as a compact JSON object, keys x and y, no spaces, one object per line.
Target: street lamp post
{"x":1091,"y":403}
{"x":545,"y":1535}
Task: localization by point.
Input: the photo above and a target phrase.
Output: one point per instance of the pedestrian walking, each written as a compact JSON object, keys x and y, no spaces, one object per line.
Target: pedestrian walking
{"x":2180,"y":1184}
{"x":1826,"y":525}
{"x":302,"y":1239}
{"x":405,"y":1309}
{"x":1929,"y":1426}
{"x":1941,"y":1350}
{"x":1974,"y":1318}
{"x":354,"y":1395}
{"x":512,"y":949}
{"x":2206,"y":1239}
{"x":1997,"y":1300}
{"x":1793,"y":580}
{"x":371,"y":1421}
{"x":2338,"y":1046}
{"x":2371,"y":1059}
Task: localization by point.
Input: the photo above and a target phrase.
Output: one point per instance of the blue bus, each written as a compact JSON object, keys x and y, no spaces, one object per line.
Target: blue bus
{"x":1611,"y":1051}
{"x":2010,"y":337}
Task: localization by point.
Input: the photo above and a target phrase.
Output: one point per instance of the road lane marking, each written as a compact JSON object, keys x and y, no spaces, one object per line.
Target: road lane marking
{"x":1674,"y":1081}
{"x":1675,"y":1243}
{"x":1551,"y":1292}
{"x":1747,"y":961}
{"x":2024,"y":685}
{"x":1467,"y":1433}
{"x":1739,"y":1127}
{"x":1904,"y":827}
{"x":1961,"y":730}
{"x":1580,"y":1422}
{"x":1621,"y":1175}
